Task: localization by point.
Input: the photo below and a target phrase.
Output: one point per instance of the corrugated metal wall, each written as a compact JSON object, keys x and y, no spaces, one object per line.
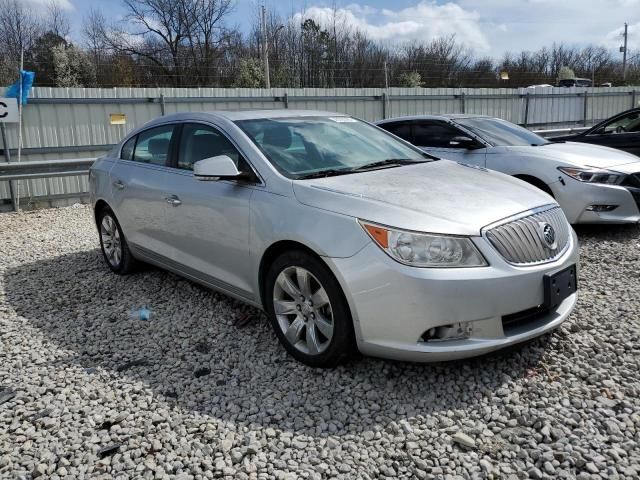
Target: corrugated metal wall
{"x":74,"y":122}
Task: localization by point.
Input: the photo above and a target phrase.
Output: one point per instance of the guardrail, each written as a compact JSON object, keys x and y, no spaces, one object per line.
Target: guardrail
{"x":42,"y":169}
{"x":45,"y":169}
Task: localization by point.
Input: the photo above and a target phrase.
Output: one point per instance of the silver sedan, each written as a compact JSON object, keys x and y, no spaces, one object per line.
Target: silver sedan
{"x":592,"y":184}
{"x":349,"y":238}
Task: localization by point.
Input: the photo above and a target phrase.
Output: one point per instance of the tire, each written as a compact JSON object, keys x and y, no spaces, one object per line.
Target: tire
{"x":318,"y":334}
{"x":113,"y":244}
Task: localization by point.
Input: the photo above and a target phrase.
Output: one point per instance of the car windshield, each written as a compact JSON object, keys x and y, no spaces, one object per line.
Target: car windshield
{"x":302,"y":147}
{"x":501,"y":133}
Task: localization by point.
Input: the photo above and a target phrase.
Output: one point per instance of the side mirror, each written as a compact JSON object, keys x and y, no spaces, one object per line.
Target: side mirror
{"x":214,"y":168}
{"x":463,"y":142}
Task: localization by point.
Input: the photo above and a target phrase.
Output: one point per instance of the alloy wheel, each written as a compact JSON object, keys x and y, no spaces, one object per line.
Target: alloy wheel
{"x":303,"y":310}
{"x":111,"y":241}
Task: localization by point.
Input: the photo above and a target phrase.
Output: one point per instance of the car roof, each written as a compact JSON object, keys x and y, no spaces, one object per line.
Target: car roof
{"x":230,"y":116}
{"x":234,"y":115}
{"x":440,"y":116}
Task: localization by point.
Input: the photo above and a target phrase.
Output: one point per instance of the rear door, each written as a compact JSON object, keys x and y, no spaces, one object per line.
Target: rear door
{"x":140,"y":180}
{"x":209,"y":220}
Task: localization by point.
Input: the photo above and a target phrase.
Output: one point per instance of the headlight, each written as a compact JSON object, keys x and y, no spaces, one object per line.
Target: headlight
{"x":425,"y":249}
{"x":592,"y":175}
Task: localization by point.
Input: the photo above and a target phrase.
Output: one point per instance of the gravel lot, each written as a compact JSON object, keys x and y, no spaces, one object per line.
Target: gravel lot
{"x":88,"y":390}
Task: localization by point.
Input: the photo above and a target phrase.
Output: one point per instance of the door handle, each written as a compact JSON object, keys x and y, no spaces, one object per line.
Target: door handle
{"x":173,"y":200}
{"x":118,"y":184}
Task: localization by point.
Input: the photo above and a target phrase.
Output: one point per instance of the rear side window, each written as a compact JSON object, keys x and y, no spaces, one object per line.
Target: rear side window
{"x":127,"y":149}
{"x":433,"y":134}
{"x":200,"y":142}
{"x":153,"y":145}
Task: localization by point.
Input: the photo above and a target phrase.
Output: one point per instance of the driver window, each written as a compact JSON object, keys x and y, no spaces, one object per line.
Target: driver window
{"x":434,"y":134}
{"x":201,"y":141}
{"x":626,"y":124}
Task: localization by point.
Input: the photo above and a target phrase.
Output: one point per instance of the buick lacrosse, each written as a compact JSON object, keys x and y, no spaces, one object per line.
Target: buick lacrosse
{"x":348,"y":237}
{"x":593,"y":184}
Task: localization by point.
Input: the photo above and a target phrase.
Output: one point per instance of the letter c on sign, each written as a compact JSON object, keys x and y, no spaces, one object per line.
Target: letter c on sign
{"x":4,"y":107}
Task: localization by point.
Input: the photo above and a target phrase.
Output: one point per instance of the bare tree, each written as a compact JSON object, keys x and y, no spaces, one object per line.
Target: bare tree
{"x":95,"y":41}
{"x":176,"y":36}
{"x":187,"y":43}
{"x":160,"y":29}
{"x":57,"y":20}
{"x":19,"y":28}
{"x":206,"y":34}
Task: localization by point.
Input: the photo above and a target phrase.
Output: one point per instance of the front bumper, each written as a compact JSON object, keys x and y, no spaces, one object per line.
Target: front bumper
{"x":574,"y":197}
{"x":393,"y":305}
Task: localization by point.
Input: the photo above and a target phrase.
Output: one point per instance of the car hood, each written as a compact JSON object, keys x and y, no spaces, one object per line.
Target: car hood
{"x":583,"y":155}
{"x":437,"y":197}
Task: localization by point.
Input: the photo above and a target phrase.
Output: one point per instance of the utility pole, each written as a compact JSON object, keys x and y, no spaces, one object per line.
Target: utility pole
{"x":386,"y":76}
{"x":624,"y":54}
{"x":265,"y":52}
{"x":20,"y":106}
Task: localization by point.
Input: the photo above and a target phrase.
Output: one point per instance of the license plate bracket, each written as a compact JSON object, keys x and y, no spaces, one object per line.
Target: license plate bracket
{"x":558,"y":286}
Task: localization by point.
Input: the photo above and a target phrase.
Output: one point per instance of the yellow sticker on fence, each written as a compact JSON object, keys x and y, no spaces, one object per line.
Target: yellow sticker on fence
{"x":117,"y":118}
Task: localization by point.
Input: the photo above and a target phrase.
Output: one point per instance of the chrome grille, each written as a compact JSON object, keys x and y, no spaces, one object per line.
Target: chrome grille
{"x":521,"y":242}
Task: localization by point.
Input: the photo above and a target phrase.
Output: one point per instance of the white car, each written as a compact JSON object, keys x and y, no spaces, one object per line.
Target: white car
{"x":592,"y":184}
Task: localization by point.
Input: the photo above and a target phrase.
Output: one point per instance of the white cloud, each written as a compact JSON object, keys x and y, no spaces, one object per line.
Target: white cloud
{"x":533,"y":24}
{"x":491,"y":27}
{"x":423,"y":22}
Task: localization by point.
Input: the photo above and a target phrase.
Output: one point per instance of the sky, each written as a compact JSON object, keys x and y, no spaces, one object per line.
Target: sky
{"x":490,"y":27}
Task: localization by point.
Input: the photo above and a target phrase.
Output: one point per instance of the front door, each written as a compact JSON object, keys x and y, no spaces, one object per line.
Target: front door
{"x":437,"y":138}
{"x":209,"y":220}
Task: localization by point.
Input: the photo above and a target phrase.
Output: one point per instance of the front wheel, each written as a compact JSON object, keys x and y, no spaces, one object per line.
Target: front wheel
{"x":308,"y":310}
{"x":114,"y":246}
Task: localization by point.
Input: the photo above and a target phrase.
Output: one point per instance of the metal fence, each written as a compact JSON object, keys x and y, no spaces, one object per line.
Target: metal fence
{"x":67,"y":123}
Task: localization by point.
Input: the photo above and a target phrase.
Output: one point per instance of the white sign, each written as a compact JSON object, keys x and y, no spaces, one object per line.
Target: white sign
{"x":8,"y":110}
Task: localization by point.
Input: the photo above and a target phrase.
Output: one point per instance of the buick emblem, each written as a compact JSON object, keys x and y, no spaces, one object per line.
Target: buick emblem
{"x":548,"y":235}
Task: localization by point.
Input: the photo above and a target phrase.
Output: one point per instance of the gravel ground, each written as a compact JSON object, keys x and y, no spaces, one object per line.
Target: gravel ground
{"x":88,"y":390}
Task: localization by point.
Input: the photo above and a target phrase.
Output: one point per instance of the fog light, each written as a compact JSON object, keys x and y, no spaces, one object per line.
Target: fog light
{"x":454,"y":331}
{"x":601,"y":208}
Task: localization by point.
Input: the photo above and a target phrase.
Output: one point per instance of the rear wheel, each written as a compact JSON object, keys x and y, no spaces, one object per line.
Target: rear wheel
{"x":114,"y":246}
{"x":308,"y":310}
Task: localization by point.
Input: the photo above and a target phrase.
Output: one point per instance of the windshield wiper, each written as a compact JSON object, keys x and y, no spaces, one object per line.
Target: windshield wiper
{"x":330,"y":172}
{"x":388,"y":162}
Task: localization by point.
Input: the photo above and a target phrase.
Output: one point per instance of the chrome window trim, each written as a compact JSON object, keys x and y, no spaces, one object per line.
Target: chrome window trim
{"x":171,"y":169}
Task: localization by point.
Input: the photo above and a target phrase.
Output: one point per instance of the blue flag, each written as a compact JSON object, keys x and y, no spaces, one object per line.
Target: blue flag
{"x":13,"y":91}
